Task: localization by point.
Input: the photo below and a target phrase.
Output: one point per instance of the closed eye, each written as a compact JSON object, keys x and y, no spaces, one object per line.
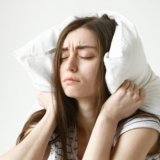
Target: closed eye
{"x":86,"y":57}
{"x":64,"y":58}
{"x":64,"y":54}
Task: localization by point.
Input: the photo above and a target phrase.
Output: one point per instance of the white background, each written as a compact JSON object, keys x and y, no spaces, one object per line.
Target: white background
{"x":22,"y":20}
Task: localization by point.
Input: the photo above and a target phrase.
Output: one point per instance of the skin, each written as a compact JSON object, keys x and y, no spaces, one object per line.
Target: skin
{"x":74,"y":63}
{"x":79,"y":61}
{"x":34,"y":146}
{"x":76,"y":57}
{"x":95,"y":135}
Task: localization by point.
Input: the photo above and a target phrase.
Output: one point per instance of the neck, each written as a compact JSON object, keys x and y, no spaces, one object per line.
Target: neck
{"x":86,"y":115}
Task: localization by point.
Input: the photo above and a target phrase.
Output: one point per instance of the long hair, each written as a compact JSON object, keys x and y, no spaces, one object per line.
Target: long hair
{"x":103,"y":27}
{"x":30,"y":124}
{"x":67,"y":107}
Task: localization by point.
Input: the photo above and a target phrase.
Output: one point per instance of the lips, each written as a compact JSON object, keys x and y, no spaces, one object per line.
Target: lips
{"x":71,"y":80}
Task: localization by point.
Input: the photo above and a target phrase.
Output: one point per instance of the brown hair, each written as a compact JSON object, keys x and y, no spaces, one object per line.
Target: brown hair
{"x":104,"y":29}
{"x":31,"y":122}
{"x":67,"y":107}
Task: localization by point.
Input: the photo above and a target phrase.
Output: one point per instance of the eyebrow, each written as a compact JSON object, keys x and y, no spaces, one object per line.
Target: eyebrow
{"x":80,"y":47}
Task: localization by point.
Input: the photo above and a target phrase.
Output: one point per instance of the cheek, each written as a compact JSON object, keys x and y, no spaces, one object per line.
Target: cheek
{"x":61,"y":70}
{"x":91,"y":74}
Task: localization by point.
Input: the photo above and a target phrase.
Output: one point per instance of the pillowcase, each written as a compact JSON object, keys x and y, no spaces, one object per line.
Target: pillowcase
{"x":37,"y":56}
{"x":125,"y":60}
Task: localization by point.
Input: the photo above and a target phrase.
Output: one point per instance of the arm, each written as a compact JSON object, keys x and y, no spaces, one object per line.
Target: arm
{"x":47,"y":151}
{"x":34,"y":146}
{"x":136,"y":144}
{"x":127,"y":99}
{"x":101,"y":139}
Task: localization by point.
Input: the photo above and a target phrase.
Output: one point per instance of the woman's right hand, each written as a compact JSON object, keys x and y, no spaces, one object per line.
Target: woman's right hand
{"x":124,"y":102}
{"x":46,"y":100}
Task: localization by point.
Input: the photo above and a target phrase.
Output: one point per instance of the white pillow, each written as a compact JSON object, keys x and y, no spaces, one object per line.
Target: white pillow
{"x":37,"y":56}
{"x":125,"y":60}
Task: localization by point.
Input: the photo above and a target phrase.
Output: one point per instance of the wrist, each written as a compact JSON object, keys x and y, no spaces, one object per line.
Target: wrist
{"x":50,"y":112}
{"x":107,"y":114}
{"x":107,"y":119}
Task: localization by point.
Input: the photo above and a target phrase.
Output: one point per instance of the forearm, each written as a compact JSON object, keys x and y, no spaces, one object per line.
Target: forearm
{"x":124,"y":102}
{"x":101,"y":140}
{"x":33,"y":147}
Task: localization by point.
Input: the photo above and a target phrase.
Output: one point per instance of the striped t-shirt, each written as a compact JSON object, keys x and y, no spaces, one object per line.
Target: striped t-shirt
{"x":131,"y":123}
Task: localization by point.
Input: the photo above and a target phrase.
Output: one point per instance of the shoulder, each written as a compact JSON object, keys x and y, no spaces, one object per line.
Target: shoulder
{"x":136,"y":144}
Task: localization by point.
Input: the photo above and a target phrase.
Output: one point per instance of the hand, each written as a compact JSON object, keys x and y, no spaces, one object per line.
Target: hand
{"x":46,"y":100}
{"x":124,"y":102}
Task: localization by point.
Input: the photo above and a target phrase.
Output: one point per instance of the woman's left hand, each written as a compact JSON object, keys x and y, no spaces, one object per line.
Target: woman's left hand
{"x":124,"y":102}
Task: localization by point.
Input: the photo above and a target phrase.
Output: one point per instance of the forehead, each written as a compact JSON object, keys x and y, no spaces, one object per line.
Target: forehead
{"x":81,"y":36}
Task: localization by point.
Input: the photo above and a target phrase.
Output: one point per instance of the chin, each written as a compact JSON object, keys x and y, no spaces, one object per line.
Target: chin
{"x":72,"y":94}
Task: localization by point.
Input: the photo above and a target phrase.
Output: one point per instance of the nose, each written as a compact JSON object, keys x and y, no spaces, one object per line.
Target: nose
{"x":72,"y":64}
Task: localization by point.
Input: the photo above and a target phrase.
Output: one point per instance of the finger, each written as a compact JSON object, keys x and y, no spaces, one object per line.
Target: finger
{"x":136,"y":95}
{"x":125,"y":84}
{"x":142,"y":96}
{"x":142,"y":92}
{"x":131,"y":87}
{"x":136,"y":89}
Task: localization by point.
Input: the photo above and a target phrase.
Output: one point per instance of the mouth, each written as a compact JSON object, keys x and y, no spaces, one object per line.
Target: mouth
{"x":71,"y":80}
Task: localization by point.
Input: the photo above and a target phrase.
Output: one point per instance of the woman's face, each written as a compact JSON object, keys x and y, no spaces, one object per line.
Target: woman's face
{"x":79,"y":64}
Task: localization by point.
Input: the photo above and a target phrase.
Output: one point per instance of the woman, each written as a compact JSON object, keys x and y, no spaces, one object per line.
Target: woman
{"x":81,"y":116}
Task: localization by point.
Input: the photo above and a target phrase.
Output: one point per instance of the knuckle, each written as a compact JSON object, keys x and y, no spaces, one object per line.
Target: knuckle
{"x":135,"y":97}
{"x":122,"y":92}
